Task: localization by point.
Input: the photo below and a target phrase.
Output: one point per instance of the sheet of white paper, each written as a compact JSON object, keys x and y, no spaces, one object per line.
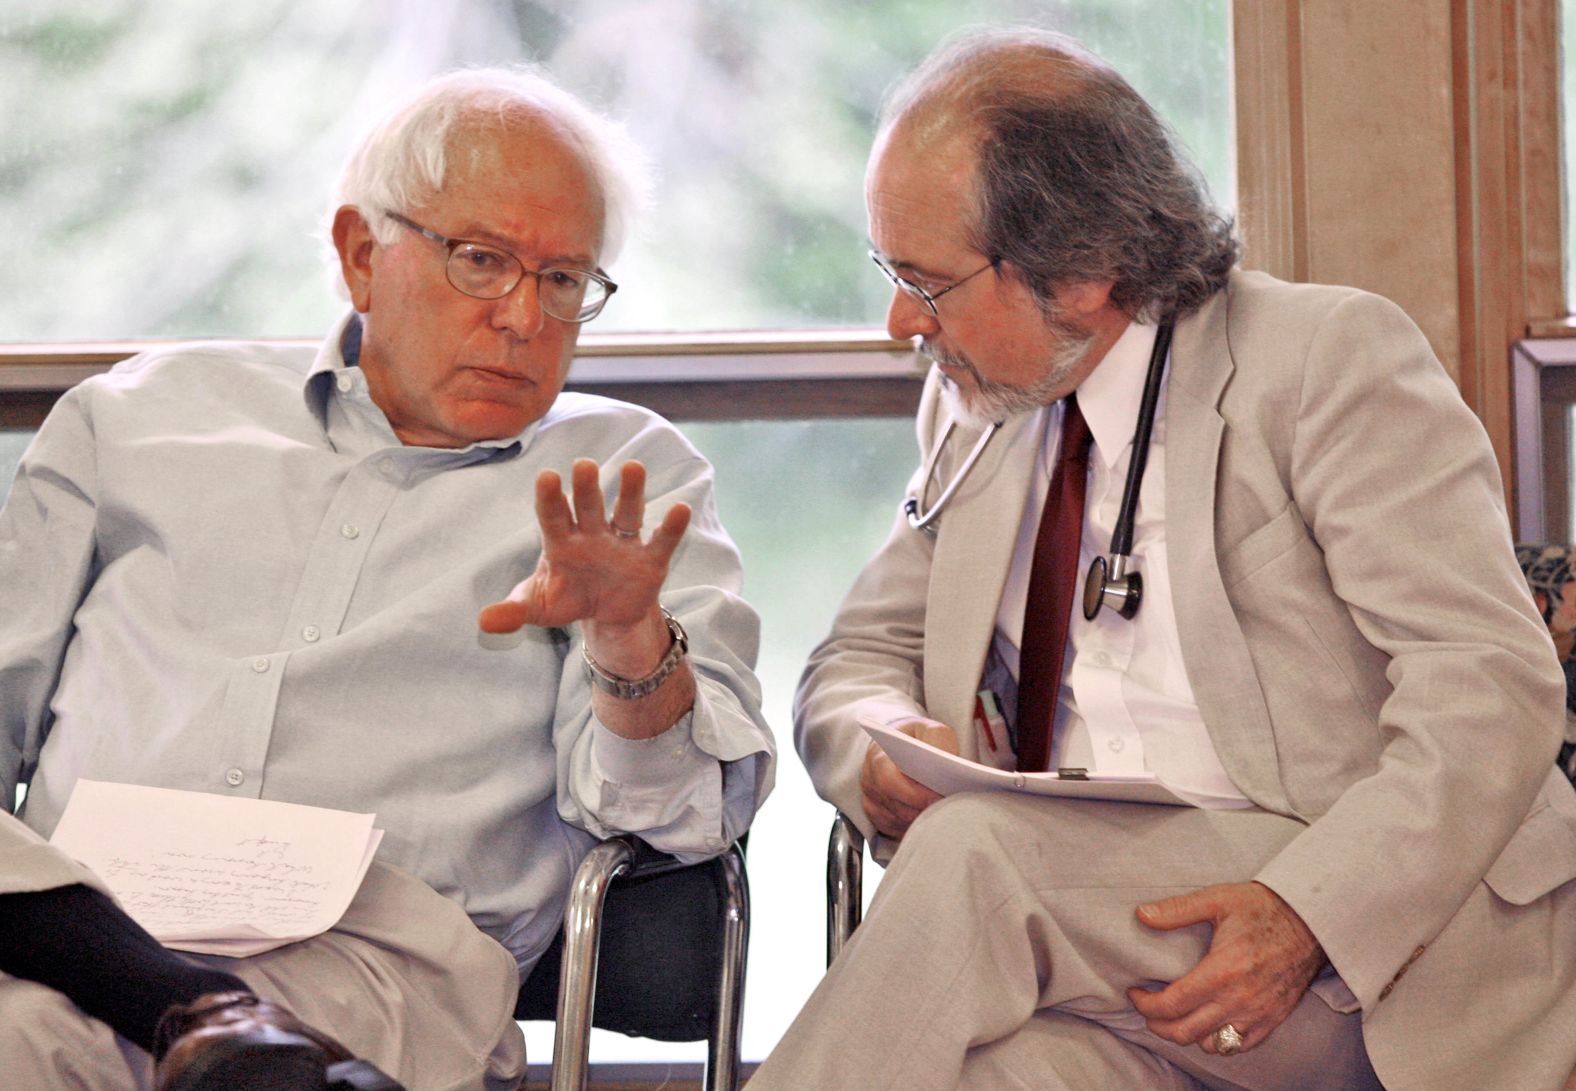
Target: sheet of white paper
{"x":947,"y":773}
{"x":218,"y":874}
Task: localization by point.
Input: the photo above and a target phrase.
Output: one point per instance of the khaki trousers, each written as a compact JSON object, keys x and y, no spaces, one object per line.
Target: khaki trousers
{"x":1002,"y":940}
{"x":404,"y":980}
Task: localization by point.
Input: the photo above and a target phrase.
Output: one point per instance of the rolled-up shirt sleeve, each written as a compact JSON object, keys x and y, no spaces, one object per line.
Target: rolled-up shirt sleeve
{"x":693,"y":789}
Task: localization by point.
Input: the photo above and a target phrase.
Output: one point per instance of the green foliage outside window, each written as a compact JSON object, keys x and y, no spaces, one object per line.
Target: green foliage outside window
{"x":164,"y":163}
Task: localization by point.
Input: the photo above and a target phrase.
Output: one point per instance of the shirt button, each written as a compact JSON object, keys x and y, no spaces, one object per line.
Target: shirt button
{"x":310,"y":633}
{"x":344,"y":382}
{"x":386,"y":466}
{"x":350,"y":531}
{"x":260,"y":665}
{"x":1102,"y":660}
{"x":1116,"y":745}
{"x":234,"y":778}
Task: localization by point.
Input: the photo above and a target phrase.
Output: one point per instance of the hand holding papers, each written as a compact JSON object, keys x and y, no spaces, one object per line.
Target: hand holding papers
{"x":947,"y":773}
{"x":216,"y":874}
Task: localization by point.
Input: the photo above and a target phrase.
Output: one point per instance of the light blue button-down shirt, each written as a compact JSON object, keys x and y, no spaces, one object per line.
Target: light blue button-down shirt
{"x":220,"y":570}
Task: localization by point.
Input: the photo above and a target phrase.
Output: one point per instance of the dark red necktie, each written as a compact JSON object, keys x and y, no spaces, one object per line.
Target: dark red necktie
{"x":1052,"y":581}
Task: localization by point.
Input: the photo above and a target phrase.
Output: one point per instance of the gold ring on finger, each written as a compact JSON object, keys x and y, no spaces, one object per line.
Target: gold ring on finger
{"x":1228,"y":1040}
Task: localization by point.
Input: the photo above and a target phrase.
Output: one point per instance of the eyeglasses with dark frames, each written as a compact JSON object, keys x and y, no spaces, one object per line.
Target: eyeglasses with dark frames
{"x":486,"y":272}
{"x":903,"y":284}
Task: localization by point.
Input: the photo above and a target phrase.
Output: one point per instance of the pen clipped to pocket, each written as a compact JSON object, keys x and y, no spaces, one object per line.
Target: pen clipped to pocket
{"x":992,"y":743}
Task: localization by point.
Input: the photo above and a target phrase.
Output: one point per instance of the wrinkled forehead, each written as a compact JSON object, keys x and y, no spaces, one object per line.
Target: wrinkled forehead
{"x":483,"y":142}
{"x":509,"y":166}
{"x":923,"y":173}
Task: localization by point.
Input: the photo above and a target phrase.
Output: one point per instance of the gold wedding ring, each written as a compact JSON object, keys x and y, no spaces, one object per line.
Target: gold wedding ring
{"x":1228,"y":1040}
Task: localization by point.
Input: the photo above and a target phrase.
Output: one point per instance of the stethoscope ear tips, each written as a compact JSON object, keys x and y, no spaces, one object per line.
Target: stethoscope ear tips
{"x":1112,"y":586}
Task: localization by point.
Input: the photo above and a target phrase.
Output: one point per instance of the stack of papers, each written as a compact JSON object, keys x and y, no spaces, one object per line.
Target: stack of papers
{"x":216,"y":874}
{"x":946,"y":774}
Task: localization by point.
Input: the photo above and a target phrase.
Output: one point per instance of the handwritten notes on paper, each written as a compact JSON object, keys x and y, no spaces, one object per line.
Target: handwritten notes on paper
{"x":218,"y":874}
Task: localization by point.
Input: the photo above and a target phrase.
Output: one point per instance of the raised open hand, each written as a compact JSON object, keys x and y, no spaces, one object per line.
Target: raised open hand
{"x":592,"y":568}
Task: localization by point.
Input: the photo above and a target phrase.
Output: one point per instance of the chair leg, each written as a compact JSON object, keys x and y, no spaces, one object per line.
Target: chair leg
{"x":582,"y":939}
{"x":722,"y":1061}
{"x":845,"y":864}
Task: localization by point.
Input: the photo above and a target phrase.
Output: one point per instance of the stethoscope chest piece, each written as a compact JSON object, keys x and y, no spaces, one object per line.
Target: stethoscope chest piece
{"x":1112,"y":586}
{"x":1109,"y":583}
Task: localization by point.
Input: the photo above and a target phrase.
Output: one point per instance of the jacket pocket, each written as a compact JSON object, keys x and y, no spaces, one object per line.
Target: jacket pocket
{"x":1284,"y":532}
{"x":1540,"y":856}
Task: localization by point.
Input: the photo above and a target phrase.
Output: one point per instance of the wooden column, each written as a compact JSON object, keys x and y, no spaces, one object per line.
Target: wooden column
{"x":1410,"y":149}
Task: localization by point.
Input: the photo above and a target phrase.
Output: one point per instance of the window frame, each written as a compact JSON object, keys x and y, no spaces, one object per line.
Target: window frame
{"x":751,"y":375}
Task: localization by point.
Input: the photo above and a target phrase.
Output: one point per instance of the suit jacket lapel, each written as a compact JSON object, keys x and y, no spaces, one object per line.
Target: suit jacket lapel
{"x":973,"y":554}
{"x":1214,"y":649}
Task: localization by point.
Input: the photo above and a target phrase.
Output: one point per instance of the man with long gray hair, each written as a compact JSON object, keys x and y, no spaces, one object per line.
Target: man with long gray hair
{"x":271,"y":572}
{"x":1328,"y":662}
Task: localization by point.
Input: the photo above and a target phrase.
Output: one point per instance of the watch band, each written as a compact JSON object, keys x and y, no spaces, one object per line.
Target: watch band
{"x":633,"y":689}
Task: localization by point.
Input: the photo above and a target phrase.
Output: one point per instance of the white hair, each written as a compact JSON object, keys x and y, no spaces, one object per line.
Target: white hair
{"x":403,"y":158}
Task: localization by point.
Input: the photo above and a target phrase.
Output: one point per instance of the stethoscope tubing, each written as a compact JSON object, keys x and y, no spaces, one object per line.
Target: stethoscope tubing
{"x":925,"y":520}
{"x":1106,"y":572}
{"x":1122,"y":536}
{"x":1108,"y":582}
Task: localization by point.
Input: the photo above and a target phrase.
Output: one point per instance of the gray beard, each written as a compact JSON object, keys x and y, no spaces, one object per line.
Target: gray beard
{"x":989,"y":401}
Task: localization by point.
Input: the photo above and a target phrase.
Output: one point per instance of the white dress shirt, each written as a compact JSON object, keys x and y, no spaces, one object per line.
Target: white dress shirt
{"x":1125,"y":704}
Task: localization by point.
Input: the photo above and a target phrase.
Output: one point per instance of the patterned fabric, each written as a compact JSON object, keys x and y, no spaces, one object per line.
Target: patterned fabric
{"x":1548,"y":572}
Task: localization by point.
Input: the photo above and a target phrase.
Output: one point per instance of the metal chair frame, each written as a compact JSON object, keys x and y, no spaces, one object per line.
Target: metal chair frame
{"x":607,"y":861}
{"x":845,"y":870}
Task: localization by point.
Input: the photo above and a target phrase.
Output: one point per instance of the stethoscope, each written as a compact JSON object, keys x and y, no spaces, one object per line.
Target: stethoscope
{"x":1108,"y":583}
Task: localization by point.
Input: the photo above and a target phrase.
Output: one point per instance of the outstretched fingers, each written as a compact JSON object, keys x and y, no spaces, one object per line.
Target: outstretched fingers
{"x":593,"y":565}
{"x":590,"y":507}
{"x":552,"y":509}
{"x":629,"y":510}
{"x":665,"y":539}
{"x":515,"y":611}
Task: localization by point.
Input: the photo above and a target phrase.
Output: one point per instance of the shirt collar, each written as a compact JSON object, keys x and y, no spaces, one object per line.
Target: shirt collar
{"x":340,"y":351}
{"x":1111,"y":395}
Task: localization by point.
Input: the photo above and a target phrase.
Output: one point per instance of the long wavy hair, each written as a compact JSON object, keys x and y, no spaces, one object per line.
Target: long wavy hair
{"x":1078,"y":178}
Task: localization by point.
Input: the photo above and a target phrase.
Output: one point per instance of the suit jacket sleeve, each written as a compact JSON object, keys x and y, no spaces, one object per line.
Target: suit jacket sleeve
{"x":1400,"y":493}
{"x":873,"y":658}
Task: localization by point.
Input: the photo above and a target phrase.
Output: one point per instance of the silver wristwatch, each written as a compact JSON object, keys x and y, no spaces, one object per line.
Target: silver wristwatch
{"x":632,"y":689}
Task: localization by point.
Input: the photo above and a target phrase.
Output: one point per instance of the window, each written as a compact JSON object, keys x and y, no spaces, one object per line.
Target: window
{"x":12,"y":443}
{"x":168,"y":172}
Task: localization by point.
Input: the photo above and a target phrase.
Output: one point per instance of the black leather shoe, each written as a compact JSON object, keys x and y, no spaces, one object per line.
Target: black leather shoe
{"x":236,"y":1041}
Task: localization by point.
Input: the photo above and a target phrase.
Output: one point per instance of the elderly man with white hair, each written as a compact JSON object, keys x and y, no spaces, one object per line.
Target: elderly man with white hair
{"x":280,"y":573}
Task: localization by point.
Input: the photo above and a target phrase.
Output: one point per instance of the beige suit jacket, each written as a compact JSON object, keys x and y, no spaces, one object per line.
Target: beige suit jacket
{"x":1361,"y":644}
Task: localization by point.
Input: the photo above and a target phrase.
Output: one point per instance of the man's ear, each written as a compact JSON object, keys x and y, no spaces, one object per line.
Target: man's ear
{"x":354,"y":242}
{"x":1084,"y":298}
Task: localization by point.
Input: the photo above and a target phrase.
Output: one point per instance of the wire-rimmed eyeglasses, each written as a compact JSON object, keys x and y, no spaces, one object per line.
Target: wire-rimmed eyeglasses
{"x":486,"y":272}
{"x":908,"y":287}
